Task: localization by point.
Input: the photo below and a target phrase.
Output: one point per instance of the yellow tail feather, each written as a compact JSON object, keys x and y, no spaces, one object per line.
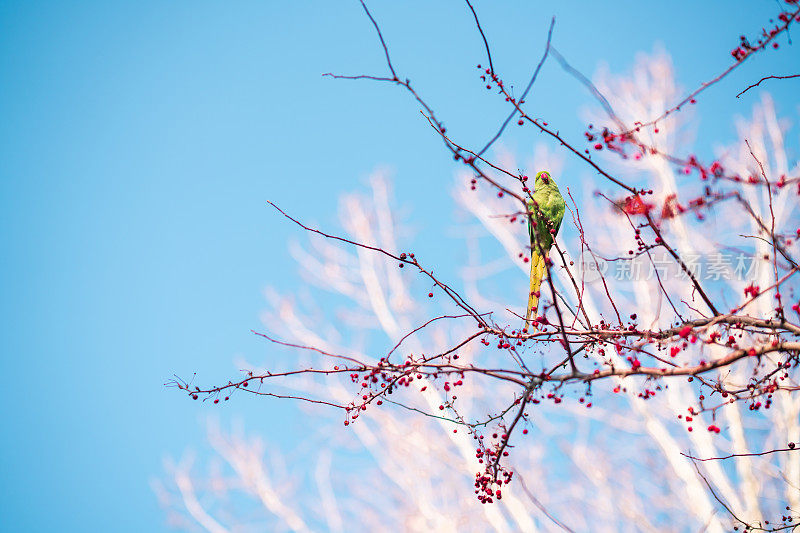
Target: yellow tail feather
{"x":537,"y":276}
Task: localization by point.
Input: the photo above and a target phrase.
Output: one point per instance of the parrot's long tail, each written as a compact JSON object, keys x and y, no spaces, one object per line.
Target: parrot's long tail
{"x":537,"y":276}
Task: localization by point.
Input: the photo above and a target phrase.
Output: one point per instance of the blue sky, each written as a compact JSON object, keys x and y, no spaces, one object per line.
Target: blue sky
{"x":139,"y":143}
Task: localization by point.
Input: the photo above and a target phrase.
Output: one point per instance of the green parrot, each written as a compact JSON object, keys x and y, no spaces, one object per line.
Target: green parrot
{"x":545,"y":213}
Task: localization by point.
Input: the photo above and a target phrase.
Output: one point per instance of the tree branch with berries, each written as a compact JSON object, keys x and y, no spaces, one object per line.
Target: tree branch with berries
{"x":628,"y":322}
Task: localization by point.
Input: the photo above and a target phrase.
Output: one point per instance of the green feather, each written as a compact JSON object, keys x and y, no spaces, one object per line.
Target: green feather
{"x":545,"y":213}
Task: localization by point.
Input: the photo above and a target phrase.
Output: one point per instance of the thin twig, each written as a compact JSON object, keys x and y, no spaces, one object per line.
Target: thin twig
{"x":767,"y":78}
{"x":528,"y":88}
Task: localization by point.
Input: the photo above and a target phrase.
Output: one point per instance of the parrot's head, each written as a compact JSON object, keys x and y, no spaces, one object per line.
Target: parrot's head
{"x":544,"y":179}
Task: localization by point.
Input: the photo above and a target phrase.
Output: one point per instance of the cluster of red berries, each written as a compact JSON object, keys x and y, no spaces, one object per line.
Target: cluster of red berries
{"x":407,"y":258}
{"x":385,"y":377}
{"x":490,"y":77}
{"x":787,"y":520}
{"x":494,"y":474}
{"x":647,"y":394}
{"x":635,"y":205}
{"x":752,"y":290}
{"x":484,"y":485}
{"x":744,"y":48}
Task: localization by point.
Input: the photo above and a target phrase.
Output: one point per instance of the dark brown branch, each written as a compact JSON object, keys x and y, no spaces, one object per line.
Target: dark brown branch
{"x":483,"y":36}
{"x":303,"y":347}
{"x":407,"y":335}
{"x":767,"y":78}
{"x":795,"y":449}
{"x":682,"y":264}
{"x":380,"y":36}
{"x":459,"y":301}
